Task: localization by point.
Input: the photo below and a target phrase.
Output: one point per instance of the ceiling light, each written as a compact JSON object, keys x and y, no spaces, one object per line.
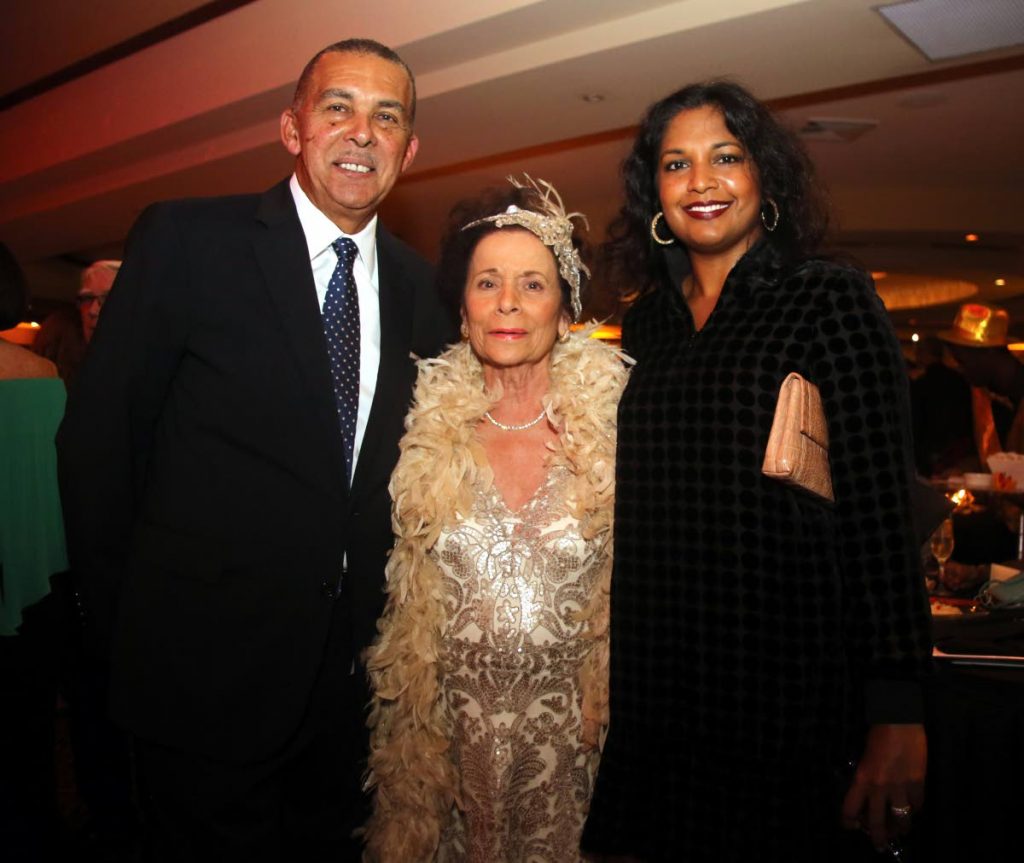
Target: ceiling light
{"x":915,"y":337}
{"x":943,"y":29}
{"x":913,"y":291}
{"x":999,"y":282}
{"x":971,"y":238}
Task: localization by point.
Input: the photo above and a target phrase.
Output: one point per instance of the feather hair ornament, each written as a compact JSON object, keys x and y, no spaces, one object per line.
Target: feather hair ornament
{"x":551,"y":225}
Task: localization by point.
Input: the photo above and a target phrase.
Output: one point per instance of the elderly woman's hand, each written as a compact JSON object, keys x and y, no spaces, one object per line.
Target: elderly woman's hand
{"x":889,"y":783}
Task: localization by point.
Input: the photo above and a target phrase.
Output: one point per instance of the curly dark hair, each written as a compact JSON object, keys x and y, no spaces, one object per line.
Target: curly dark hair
{"x":784,"y":172}
{"x":13,"y":290}
{"x":458,"y":245}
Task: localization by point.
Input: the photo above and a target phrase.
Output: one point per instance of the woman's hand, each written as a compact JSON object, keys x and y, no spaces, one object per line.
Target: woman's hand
{"x":889,"y":783}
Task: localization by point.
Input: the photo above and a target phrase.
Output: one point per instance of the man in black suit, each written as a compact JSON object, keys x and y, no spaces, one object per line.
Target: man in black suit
{"x":224,"y":464}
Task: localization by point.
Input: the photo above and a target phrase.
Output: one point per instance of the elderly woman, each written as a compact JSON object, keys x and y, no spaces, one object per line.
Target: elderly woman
{"x":762,"y":635}
{"x":490,"y":671}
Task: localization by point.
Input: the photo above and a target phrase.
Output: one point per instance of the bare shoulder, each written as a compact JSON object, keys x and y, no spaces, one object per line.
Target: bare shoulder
{"x":18,"y":362}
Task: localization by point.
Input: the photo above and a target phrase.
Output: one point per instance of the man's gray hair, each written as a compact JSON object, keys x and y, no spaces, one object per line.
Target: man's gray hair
{"x":98,"y":267}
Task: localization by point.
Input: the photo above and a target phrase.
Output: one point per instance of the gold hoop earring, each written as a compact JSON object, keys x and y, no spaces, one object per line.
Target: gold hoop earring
{"x":654,"y":231}
{"x":775,"y":214}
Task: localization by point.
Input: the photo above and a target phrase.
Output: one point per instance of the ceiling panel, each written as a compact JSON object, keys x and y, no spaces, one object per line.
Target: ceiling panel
{"x":501,"y":83}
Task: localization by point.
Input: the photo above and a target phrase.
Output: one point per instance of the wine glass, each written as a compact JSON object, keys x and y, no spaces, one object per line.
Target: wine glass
{"x":942,"y":546}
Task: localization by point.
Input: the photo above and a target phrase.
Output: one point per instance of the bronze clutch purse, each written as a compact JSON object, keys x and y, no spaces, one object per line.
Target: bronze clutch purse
{"x":797,"y":452}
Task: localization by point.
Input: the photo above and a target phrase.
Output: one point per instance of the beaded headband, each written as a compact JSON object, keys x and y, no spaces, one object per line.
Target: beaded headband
{"x":552,"y":226}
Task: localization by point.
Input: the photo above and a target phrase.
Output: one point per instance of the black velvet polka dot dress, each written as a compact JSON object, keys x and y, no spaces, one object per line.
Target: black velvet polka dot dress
{"x":754,"y":628}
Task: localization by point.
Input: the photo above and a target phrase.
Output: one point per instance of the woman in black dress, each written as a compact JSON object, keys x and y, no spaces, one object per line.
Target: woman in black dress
{"x":761,"y":637}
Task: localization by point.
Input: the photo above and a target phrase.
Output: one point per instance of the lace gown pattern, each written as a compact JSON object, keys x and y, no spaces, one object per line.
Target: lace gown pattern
{"x":511,"y":658}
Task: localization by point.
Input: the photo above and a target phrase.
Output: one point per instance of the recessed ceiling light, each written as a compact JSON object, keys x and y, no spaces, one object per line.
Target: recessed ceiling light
{"x":915,"y":337}
{"x":1000,"y":282}
{"x":971,"y":238}
{"x":943,"y":29}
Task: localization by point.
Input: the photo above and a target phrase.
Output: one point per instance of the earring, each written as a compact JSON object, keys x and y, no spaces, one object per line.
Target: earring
{"x":775,"y":215}
{"x":464,"y":331}
{"x":563,"y":339}
{"x":654,"y":231}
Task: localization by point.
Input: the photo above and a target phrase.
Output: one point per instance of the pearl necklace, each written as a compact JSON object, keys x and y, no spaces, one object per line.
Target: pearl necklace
{"x":513,"y":427}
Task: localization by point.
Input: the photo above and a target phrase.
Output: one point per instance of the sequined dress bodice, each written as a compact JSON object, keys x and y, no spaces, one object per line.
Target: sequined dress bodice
{"x":511,"y":657}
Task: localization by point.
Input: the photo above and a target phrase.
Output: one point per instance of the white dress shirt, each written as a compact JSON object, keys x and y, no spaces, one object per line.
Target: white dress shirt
{"x":320,"y":233}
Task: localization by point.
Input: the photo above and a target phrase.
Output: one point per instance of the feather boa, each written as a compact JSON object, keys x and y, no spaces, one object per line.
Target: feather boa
{"x":414,"y":779}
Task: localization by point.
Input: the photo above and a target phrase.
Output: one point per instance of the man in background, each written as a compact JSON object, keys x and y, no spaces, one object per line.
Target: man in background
{"x":97,"y":280}
{"x":66,"y":332}
{"x":940,"y":400}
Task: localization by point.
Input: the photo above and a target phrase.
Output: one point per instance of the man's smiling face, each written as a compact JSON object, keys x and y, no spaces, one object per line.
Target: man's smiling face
{"x":351,"y":135}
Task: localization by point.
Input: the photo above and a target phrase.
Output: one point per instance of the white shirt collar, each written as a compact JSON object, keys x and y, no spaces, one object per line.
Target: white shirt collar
{"x":320,"y":231}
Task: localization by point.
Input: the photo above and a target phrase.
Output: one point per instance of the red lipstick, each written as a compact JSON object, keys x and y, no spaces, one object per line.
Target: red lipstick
{"x":706,"y":210}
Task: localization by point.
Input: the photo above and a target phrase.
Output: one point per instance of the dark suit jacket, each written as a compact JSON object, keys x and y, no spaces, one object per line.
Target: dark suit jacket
{"x":202,"y":471}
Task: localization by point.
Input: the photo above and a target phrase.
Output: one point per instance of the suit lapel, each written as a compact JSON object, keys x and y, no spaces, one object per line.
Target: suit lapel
{"x":280,"y":248}
{"x":396,"y":315}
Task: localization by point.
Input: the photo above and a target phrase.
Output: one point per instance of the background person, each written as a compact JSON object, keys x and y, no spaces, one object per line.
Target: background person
{"x":31,"y":551}
{"x":940,"y":399}
{"x":63,"y":335}
{"x":224,"y":462}
{"x":101,"y":752}
{"x":490,"y":673}
{"x":978,"y":343}
{"x":97,"y":281}
{"x":60,"y":340}
{"x":757,"y":632}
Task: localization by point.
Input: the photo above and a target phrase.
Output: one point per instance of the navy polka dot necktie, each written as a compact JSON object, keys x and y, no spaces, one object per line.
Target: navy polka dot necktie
{"x":341,"y":326}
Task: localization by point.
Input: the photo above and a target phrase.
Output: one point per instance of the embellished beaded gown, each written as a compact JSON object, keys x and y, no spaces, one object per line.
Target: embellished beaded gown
{"x":511,"y":656}
{"x":492,"y":657}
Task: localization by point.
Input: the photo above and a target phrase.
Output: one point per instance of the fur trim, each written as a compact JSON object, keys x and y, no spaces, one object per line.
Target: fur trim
{"x":441,"y":460}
